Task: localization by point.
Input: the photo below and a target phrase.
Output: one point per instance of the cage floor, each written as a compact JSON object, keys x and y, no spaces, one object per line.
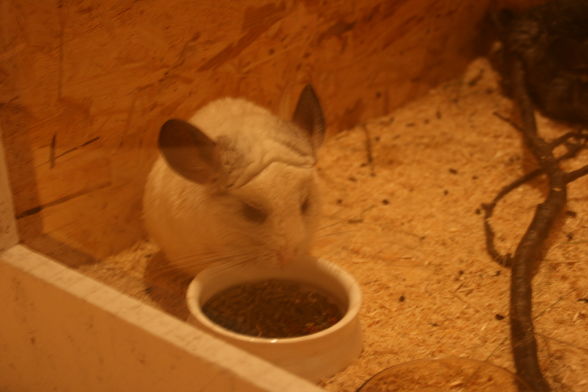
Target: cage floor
{"x":402,"y":214}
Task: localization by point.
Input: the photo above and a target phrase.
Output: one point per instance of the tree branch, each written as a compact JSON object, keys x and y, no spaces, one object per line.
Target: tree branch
{"x":505,"y":260}
{"x":572,"y":176}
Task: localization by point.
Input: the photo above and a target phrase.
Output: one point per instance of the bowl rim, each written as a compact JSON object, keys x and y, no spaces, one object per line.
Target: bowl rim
{"x":354,"y":300}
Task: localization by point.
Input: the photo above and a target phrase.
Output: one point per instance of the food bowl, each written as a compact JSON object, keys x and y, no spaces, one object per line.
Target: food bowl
{"x":314,"y":356}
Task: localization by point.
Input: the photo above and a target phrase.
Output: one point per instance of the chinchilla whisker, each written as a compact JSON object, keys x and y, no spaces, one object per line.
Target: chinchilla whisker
{"x":194,"y":261}
{"x":233,"y":264}
{"x":330,"y":225}
{"x":220,"y":259}
{"x":334,"y":233}
{"x":267,"y":257}
{"x":215,"y":255}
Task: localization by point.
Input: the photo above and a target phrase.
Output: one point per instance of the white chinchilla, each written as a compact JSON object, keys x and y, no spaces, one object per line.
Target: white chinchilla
{"x":235,"y":185}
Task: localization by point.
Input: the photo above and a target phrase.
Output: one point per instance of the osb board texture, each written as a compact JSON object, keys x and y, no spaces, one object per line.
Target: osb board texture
{"x":408,"y":227}
{"x":86,"y":85}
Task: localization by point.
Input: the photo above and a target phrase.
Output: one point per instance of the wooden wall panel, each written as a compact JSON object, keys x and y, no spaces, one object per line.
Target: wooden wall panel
{"x":85,"y":85}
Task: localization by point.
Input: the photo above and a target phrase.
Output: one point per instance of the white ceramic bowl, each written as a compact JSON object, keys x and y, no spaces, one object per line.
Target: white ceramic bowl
{"x":313,"y":356}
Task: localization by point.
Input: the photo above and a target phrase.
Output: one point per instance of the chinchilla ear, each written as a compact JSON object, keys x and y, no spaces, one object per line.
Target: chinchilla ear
{"x":308,"y":115}
{"x":189,"y":152}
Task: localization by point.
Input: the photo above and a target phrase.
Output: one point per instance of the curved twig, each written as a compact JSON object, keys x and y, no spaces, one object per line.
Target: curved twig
{"x":488,"y":208}
{"x":572,"y":176}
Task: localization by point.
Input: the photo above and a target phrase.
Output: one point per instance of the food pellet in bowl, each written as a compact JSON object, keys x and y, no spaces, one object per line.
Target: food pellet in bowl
{"x":273,"y":308}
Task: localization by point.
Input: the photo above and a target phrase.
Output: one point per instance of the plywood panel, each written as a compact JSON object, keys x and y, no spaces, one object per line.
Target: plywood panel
{"x":86,"y":84}
{"x":65,"y":332}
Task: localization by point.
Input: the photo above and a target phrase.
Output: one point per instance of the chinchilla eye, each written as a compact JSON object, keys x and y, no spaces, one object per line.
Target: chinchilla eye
{"x":305,"y":205}
{"x":253,"y":214}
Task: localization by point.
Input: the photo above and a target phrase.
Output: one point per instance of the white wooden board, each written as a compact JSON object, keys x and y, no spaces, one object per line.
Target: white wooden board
{"x":61,"y":331}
